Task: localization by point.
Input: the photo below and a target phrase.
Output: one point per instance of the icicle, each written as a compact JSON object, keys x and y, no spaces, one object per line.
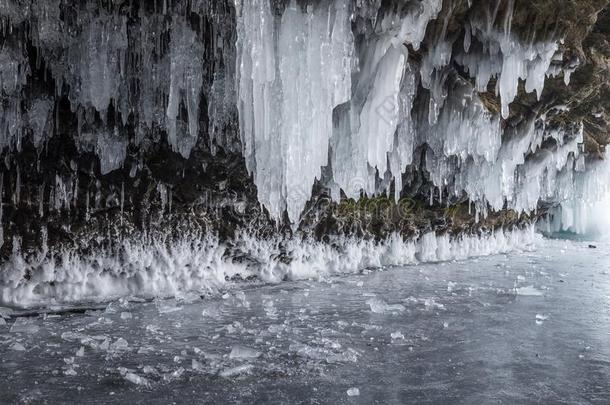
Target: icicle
{"x":162,"y":189}
{"x":122,"y":200}
{"x":41,"y":200}
{"x":17,"y":191}
{"x":1,"y":209}
{"x":286,"y":99}
{"x":170,"y":200}
{"x":87,"y":212}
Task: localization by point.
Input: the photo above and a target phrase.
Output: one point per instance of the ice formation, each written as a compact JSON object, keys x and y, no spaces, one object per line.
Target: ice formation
{"x":203,"y":264}
{"x":116,"y":68}
{"x":353,"y":94}
{"x":585,"y":198}
{"x":290,"y":81}
{"x":312,"y":93}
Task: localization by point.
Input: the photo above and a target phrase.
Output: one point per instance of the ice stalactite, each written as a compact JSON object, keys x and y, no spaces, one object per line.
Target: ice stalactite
{"x":584,"y":198}
{"x":377,"y":124}
{"x":509,"y":60}
{"x":1,"y":209}
{"x":117,"y":67}
{"x":111,"y":148}
{"x":186,"y":81}
{"x":290,"y":81}
{"x":287,"y":98}
{"x":14,"y":72}
{"x":358,"y":95}
{"x":374,"y":135}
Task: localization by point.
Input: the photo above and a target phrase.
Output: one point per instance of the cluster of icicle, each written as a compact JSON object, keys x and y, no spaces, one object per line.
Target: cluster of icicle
{"x":152,"y":70}
{"x":316,"y":89}
{"x":585,"y":202}
{"x":331,"y":84}
{"x":201,"y":264}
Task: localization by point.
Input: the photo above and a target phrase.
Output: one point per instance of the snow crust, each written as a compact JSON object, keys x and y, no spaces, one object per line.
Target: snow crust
{"x":159,"y":268}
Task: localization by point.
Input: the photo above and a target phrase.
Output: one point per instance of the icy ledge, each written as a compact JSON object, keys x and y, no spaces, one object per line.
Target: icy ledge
{"x":203,"y":265}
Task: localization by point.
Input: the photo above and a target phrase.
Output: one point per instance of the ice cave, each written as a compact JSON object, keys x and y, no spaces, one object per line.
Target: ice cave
{"x":304,"y":201}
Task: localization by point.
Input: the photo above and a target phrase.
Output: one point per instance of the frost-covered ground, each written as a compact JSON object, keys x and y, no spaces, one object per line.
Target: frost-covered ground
{"x":532,"y":327}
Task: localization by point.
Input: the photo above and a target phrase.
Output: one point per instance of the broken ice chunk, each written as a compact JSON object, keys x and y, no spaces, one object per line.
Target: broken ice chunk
{"x":529,"y":291}
{"x":24,"y":325}
{"x":232,"y":372}
{"x":119,"y":345}
{"x":242,"y":352}
{"x":5,"y":312}
{"x":540,"y":318}
{"x":105,"y":345}
{"x":379,"y":306}
{"x":353,"y":392}
{"x":17,"y":347}
{"x":197,"y":366}
{"x":397,"y":335}
{"x":70,"y":372}
{"x":136,"y":379}
{"x":167,"y":308}
{"x":430,"y":303}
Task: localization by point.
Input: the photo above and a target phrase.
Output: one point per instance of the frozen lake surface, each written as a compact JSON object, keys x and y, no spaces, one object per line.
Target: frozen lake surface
{"x":529,"y":327}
